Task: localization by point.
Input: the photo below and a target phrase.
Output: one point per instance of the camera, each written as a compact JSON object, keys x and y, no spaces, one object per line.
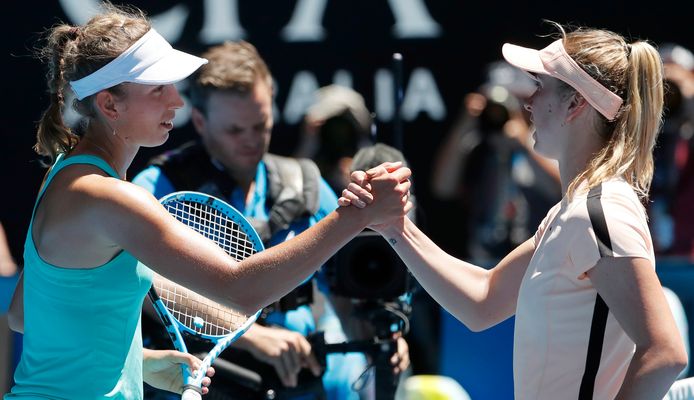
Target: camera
{"x":367,"y":268}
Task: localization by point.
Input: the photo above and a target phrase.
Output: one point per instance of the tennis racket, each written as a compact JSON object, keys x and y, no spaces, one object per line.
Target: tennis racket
{"x":184,"y":311}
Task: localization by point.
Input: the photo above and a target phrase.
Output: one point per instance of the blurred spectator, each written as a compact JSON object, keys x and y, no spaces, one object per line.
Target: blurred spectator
{"x":335,"y":127}
{"x":8,"y":267}
{"x":8,"y":272}
{"x":672,"y":190}
{"x":487,"y":166}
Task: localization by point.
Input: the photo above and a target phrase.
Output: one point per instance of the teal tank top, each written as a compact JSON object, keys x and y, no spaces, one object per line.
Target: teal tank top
{"x":82,"y":336}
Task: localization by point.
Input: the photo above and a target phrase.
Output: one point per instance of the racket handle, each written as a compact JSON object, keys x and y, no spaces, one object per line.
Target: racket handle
{"x":191,"y":393}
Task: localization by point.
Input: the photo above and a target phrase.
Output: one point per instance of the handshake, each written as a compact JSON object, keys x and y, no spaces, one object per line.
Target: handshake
{"x":383,"y":192}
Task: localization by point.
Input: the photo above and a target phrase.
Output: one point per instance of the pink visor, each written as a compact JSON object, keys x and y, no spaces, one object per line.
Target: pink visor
{"x":554,"y":61}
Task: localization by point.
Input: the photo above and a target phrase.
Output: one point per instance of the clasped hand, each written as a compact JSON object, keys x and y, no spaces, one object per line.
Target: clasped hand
{"x":387,"y":186}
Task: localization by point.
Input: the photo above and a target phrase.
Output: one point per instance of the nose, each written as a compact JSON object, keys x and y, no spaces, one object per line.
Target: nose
{"x":528,"y":107}
{"x":176,"y":101}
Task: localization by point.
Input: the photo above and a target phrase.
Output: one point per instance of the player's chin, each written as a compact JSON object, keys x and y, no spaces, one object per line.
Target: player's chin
{"x":542,"y":150}
{"x":157,"y":140}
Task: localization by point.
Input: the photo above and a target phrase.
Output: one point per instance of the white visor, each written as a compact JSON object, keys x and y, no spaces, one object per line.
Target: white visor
{"x":149,"y":61}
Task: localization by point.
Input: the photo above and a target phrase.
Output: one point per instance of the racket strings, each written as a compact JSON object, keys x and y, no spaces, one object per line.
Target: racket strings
{"x":192,"y":310}
{"x":214,"y":225}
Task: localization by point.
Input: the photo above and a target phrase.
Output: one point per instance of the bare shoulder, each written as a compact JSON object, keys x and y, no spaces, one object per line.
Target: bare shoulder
{"x":98,"y":193}
{"x":112,"y":193}
{"x":127,"y":215}
{"x":84,"y":215}
{"x":81,"y":195}
{"x":117,"y":203}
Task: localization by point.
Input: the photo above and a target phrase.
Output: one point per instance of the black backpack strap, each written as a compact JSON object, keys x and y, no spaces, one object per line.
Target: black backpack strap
{"x":293,"y":186}
{"x":311,"y":187}
{"x":189,"y":168}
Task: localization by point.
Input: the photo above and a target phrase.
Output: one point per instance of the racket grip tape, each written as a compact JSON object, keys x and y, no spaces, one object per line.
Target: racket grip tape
{"x":191,"y":392}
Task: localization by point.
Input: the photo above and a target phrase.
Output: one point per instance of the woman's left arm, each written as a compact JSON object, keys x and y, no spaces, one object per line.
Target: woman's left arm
{"x":631,"y":289}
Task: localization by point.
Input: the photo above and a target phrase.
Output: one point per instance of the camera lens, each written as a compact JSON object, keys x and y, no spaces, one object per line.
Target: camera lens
{"x":372,"y":269}
{"x":368,"y":268}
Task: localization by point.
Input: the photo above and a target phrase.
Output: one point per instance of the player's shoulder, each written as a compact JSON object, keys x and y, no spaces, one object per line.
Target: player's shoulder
{"x":102,"y":191}
{"x":613,"y":200}
{"x":618,"y":193}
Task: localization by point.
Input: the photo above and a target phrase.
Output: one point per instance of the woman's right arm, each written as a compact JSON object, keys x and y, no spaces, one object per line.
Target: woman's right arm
{"x":131,"y":218}
{"x":478,"y":297}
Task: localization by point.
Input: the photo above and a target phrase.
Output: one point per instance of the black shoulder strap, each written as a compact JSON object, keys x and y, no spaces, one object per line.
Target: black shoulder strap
{"x":600,"y":310}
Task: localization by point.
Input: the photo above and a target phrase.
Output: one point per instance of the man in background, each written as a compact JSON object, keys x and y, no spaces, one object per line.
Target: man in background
{"x":232,"y":113}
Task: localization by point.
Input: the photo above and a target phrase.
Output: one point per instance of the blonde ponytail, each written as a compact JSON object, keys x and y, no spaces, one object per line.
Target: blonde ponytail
{"x":635,"y":73}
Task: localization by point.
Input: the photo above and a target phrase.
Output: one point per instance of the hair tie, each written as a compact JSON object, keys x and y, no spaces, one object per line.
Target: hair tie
{"x":628,"y":48}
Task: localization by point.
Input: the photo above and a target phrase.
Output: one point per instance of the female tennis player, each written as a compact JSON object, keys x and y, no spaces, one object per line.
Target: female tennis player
{"x":80,"y":299}
{"x":591,"y":317}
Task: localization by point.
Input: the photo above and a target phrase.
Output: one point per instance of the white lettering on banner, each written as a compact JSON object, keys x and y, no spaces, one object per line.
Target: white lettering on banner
{"x":169,"y":23}
{"x":306,"y":22}
{"x":301,"y":96}
{"x":275,"y":109}
{"x":221,"y":22}
{"x":384,"y":98}
{"x":422,"y":95}
{"x":343,"y":78}
{"x":80,"y":11}
{"x":412,"y":20}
